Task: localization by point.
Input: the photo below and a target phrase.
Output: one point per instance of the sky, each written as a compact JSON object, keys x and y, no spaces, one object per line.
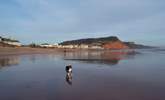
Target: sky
{"x":54,"y":21}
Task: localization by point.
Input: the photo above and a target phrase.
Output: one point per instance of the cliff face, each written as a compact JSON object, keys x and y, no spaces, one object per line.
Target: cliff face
{"x":115,"y":45}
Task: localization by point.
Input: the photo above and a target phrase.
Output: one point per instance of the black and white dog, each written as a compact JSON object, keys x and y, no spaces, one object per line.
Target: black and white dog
{"x":68,"y":69}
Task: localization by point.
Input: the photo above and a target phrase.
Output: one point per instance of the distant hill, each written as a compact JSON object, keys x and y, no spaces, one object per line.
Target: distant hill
{"x":91,"y":40}
{"x":111,"y":42}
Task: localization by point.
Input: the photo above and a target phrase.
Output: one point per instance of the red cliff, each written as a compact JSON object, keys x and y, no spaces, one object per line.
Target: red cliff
{"x":115,"y":45}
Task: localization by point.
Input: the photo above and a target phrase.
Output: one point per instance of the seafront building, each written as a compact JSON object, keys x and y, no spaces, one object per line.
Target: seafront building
{"x":45,"y":45}
{"x":84,"y":46}
{"x":13,"y":43}
{"x":81,"y":46}
{"x":9,"y":41}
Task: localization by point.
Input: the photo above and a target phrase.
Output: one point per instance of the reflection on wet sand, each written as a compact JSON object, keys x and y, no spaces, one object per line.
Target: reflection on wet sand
{"x":69,"y":78}
{"x":104,"y":57}
{"x":43,"y":76}
{"x":68,"y":70}
{"x":33,"y":58}
{"x":9,"y":61}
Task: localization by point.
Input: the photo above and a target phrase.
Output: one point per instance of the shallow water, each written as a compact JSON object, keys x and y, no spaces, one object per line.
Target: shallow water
{"x":99,"y":75}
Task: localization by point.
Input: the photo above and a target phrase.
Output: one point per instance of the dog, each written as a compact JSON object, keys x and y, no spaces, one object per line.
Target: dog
{"x":68,"y":69}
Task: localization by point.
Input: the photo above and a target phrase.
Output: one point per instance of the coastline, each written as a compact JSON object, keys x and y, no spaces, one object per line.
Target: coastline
{"x":4,"y":51}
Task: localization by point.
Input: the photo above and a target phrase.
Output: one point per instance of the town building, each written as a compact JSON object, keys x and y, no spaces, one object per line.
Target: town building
{"x":13,"y":43}
{"x":83,"y":46}
{"x":46,"y":45}
{"x":95,"y":47}
{"x":9,"y":41}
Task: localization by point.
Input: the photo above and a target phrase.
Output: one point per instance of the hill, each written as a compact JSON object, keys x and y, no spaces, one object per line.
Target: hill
{"x":111,"y":42}
{"x":90,"y":40}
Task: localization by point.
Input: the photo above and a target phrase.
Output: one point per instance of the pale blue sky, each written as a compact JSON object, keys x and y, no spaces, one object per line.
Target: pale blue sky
{"x":53,"y":21}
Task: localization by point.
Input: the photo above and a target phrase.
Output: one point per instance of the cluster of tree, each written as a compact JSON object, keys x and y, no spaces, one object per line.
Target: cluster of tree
{"x":34,"y":45}
{"x":136,"y":46}
{"x":8,"y":39}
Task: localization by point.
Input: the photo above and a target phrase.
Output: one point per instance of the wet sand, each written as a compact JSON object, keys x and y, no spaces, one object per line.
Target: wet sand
{"x":100,"y":75}
{"x":25,"y":50}
{"x":28,"y":50}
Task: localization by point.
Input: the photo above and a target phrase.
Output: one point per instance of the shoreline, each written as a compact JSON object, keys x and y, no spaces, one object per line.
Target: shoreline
{"x":4,"y":51}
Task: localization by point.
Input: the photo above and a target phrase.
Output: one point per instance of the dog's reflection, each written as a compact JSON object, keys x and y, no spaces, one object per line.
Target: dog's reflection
{"x":68,"y":70}
{"x":69,"y":78}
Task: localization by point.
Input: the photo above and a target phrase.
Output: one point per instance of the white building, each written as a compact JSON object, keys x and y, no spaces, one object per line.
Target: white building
{"x":68,"y":46}
{"x":81,"y":46}
{"x":46,"y":45}
{"x":96,"y":47}
{"x":12,"y":43}
{"x":84,"y":46}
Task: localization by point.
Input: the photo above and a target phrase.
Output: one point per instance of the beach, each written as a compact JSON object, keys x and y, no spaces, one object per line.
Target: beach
{"x":39,"y":73}
{"x":29,"y":50}
{"x":25,"y":50}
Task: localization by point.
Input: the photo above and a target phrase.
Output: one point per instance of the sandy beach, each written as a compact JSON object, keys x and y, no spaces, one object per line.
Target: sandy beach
{"x":25,"y":50}
{"x":39,"y":73}
{"x":28,"y":50}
